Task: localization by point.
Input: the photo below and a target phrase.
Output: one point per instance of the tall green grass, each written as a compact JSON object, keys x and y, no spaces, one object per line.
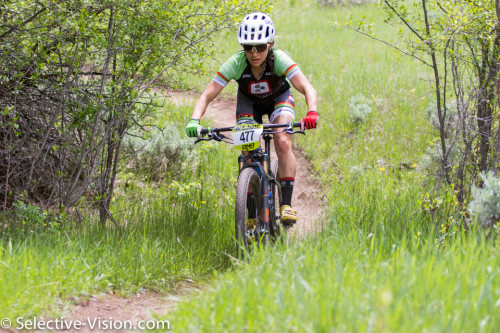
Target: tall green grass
{"x":348,"y":282}
{"x":381,"y":264}
{"x":179,"y":228}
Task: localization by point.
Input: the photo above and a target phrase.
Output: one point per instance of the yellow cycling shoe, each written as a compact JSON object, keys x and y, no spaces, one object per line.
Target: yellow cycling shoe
{"x":288,"y":215}
{"x":251,"y":227}
{"x":251,"y":224}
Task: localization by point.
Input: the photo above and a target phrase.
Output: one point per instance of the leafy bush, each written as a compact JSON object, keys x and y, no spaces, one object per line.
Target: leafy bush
{"x":485,"y":204}
{"x":360,"y":108}
{"x":31,"y":218}
{"x":71,"y":76}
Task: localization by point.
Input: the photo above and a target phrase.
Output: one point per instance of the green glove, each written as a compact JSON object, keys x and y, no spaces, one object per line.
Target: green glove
{"x":193,"y":128}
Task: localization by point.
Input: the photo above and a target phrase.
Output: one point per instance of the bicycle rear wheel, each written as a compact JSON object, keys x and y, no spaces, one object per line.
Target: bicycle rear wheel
{"x":247,"y":208}
{"x":275,"y":225}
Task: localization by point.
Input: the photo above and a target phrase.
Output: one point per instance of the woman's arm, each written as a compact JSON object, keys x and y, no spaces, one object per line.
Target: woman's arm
{"x":211,"y":91}
{"x":302,"y":84}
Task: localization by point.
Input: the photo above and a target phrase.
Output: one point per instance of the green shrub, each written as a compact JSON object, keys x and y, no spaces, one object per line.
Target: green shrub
{"x":32,"y":219}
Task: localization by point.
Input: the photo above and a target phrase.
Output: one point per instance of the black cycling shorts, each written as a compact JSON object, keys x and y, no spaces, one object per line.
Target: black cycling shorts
{"x":280,"y":105}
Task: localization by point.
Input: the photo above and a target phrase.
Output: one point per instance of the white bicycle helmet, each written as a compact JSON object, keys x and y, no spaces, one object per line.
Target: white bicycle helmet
{"x":256,"y":28}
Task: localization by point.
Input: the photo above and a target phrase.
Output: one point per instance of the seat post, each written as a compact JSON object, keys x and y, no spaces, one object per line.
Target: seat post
{"x":266,"y":162}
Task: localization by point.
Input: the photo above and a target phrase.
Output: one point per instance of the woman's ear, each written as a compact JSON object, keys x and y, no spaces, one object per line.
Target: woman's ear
{"x":271,"y":45}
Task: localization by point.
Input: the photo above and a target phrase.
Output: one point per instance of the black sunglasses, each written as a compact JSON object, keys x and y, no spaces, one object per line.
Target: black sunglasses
{"x":258,"y":48}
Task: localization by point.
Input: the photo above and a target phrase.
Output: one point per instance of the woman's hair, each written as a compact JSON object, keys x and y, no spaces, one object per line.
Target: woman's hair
{"x":270,"y":60}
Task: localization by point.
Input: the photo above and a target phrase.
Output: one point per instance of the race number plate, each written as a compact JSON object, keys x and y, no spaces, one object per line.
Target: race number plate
{"x":247,"y":137}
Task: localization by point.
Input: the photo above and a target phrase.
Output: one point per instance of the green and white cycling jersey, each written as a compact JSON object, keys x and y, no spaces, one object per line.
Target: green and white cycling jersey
{"x":269,"y":85}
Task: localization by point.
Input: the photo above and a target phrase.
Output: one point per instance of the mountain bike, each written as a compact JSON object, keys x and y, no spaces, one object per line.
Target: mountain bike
{"x":258,"y":192}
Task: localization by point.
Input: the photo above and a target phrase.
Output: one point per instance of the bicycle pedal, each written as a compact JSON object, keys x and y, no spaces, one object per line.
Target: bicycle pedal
{"x":289,"y":223}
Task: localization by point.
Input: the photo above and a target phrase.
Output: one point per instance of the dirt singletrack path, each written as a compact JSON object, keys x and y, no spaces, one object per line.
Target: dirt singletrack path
{"x":306,"y":200}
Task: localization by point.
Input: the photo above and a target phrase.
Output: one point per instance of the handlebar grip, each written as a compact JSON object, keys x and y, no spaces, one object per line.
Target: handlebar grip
{"x":204,"y":131}
{"x":297,"y":124}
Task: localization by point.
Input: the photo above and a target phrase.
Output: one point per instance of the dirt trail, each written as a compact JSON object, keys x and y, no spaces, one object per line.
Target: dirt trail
{"x":306,"y":201}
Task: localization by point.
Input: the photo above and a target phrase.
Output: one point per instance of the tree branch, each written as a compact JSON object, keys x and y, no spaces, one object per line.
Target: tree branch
{"x":24,"y":23}
{"x":403,"y":20}
{"x":392,"y":46}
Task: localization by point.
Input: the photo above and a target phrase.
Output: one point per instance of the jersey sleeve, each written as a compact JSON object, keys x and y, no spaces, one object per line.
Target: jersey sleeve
{"x":232,"y":69}
{"x":284,"y":65}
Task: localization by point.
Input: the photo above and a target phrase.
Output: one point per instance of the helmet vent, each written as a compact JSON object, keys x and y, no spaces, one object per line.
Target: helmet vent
{"x":267,"y":32}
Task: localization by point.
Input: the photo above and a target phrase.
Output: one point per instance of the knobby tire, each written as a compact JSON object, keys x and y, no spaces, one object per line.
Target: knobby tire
{"x":248,"y":180}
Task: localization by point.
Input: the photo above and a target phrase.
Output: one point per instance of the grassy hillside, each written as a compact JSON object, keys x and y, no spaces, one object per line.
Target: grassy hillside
{"x":381,"y":264}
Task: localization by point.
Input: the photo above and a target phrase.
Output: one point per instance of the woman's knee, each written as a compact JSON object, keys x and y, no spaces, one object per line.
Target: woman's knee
{"x":283,"y":144}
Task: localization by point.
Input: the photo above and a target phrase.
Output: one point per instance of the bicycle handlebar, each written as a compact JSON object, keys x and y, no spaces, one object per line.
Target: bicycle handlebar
{"x":229,"y":129}
{"x":214,"y":133}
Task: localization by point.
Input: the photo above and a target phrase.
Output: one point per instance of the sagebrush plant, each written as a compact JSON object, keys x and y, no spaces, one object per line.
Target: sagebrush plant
{"x":456,"y":120}
{"x":156,"y":149}
{"x":485,"y":204}
{"x":431,"y":161}
{"x":360,"y":108}
{"x":356,"y":171}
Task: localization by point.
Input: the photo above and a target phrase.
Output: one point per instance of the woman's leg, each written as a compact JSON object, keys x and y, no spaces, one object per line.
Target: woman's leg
{"x":283,"y":146}
{"x":284,"y":112}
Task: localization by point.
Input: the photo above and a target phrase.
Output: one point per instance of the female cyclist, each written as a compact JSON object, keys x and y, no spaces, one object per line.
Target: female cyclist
{"x":263,"y":74}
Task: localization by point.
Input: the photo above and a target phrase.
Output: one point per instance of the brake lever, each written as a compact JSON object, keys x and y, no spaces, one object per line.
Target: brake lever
{"x":201,"y":139}
{"x":219,"y":137}
{"x":212,"y":136}
{"x":290,"y":131}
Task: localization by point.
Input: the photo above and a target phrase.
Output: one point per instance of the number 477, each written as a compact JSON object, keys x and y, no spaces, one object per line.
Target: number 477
{"x":246,"y":136}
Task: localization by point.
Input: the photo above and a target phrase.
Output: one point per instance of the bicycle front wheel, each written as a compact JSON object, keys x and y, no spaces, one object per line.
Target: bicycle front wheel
{"x":247,"y":210}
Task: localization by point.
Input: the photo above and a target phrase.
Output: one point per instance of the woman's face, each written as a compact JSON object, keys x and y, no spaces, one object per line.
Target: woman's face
{"x":257,"y":54}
